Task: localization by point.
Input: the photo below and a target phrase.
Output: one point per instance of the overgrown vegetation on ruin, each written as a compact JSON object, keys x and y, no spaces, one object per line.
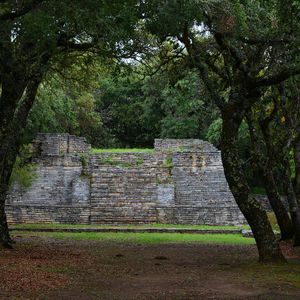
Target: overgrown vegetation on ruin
{"x":24,"y":171}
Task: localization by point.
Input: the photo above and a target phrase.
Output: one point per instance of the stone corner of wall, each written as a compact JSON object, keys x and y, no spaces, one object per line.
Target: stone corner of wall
{"x":55,"y":144}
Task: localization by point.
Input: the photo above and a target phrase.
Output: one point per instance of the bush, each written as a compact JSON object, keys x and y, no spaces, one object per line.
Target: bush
{"x":24,"y":172}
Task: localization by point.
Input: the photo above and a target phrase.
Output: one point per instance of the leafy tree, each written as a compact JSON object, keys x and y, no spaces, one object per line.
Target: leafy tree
{"x":136,"y":110}
{"x":119,"y":102}
{"x":59,"y":109}
{"x":180,"y":105}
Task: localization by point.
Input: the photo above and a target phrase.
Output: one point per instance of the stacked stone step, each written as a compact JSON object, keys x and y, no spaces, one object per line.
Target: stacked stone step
{"x":123,"y":188}
{"x":48,"y":214}
{"x":58,"y":193}
{"x":182,"y":182}
{"x":201,"y":192}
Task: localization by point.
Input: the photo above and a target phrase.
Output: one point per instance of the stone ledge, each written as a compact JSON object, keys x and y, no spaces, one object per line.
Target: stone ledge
{"x":132,"y":230}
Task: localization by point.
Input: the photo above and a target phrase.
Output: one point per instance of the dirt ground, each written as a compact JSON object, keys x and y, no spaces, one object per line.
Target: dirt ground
{"x":44,"y":268}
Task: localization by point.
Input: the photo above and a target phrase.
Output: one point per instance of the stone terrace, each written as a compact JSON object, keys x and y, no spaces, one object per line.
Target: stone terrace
{"x":181,"y":182}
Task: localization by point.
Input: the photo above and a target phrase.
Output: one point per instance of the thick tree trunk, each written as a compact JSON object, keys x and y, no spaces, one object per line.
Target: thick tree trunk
{"x":297,"y":169}
{"x":10,"y":140}
{"x":5,"y":239}
{"x":292,"y":200}
{"x":282,"y":216}
{"x":8,"y":154}
{"x":265,"y":165}
{"x":268,"y":247}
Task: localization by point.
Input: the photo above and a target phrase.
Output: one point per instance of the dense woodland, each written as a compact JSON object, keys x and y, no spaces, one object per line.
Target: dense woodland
{"x":122,"y":73}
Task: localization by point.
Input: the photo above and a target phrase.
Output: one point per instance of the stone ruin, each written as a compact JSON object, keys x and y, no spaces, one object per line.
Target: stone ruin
{"x":179,"y":182}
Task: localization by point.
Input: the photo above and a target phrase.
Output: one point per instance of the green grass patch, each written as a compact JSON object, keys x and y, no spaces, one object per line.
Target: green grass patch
{"x":111,"y":162}
{"x":155,"y":225}
{"x":123,"y":150}
{"x":147,"y":238}
{"x":168,"y":163}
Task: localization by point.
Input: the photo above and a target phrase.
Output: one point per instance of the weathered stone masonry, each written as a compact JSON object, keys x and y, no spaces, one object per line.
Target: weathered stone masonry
{"x":181,"y":182}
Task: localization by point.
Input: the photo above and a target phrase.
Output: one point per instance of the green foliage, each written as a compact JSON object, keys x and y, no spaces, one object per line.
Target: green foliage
{"x":109,"y":160}
{"x":139,"y":162}
{"x":24,"y":172}
{"x":168,"y":104}
{"x":63,"y":108}
{"x":119,"y":103}
{"x":168,"y":162}
{"x":117,"y":107}
{"x":258,"y":190}
{"x":213,"y":133}
{"x":177,"y":107}
{"x":84,"y":159}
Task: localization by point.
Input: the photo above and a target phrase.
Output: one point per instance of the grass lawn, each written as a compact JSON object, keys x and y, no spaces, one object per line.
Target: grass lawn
{"x":145,"y":238}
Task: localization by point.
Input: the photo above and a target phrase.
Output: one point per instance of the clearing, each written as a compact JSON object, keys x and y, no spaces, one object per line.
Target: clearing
{"x":110,"y":266}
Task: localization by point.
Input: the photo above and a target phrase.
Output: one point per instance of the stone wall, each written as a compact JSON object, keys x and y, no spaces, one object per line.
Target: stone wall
{"x":200,"y":191}
{"x":181,"y":182}
{"x":59,"y":193}
{"x":58,"y":144}
{"x":123,"y":188}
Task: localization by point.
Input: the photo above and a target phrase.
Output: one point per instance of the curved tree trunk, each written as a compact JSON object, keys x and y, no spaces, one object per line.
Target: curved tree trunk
{"x":297,"y":169}
{"x":292,"y":200}
{"x":10,"y":140}
{"x":268,"y":247}
{"x":265,"y":165}
{"x":282,"y":216}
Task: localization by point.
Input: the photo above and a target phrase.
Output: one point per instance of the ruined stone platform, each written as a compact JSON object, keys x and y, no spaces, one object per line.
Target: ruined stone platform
{"x":181,"y":182}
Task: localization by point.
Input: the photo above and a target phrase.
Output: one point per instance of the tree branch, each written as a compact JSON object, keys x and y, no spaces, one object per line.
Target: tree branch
{"x":19,"y":12}
{"x":202,"y":67}
{"x":276,"y":78}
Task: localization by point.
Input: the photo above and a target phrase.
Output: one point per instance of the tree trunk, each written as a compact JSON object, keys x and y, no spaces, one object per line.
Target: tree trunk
{"x":292,"y":200}
{"x":268,"y":247}
{"x":10,"y":140}
{"x":297,"y":169}
{"x":5,"y":239}
{"x":265,"y":165}
{"x":8,"y":154}
{"x":282,"y":216}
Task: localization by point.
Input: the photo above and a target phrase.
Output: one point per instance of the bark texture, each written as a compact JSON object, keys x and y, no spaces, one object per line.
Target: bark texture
{"x":297,"y":168}
{"x":267,"y":244}
{"x":11,"y":133}
{"x":264,"y":162}
{"x":292,"y":200}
